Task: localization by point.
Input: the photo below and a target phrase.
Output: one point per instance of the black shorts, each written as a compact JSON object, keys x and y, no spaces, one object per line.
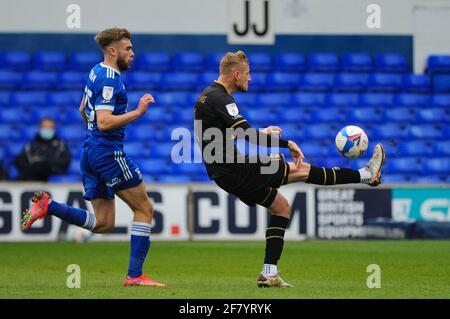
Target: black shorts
{"x":252,"y":185}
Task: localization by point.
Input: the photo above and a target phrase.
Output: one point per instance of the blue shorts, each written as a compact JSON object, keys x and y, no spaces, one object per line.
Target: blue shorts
{"x":107,"y":170}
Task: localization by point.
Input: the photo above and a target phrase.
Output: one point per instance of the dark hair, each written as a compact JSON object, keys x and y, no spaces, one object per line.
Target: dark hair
{"x":108,"y":36}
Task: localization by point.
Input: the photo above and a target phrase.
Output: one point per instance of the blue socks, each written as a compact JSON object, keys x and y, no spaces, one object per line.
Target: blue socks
{"x":72,"y":215}
{"x":140,"y":243}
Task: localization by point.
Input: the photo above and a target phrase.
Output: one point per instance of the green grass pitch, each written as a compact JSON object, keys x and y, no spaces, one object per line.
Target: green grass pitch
{"x":317,"y":269}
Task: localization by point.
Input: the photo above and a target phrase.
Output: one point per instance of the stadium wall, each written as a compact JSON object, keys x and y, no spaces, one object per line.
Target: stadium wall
{"x":205,"y":212}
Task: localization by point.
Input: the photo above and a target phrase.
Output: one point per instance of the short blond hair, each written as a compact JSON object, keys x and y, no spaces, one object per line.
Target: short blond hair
{"x":108,"y":36}
{"x":232,"y":59}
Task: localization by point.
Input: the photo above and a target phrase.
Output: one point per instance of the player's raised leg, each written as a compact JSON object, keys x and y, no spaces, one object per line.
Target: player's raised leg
{"x":43,"y":205}
{"x":370,"y":174}
{"x":138,"y":200}
{"x":281,"y":213}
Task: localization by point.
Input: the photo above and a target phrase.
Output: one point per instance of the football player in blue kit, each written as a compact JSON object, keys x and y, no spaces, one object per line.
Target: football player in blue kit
{"x":107,"y":171}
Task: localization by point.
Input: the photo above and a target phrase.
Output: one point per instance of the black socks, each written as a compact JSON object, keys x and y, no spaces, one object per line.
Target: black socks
{"x":332,"y":176}
{"x":275,"y":239}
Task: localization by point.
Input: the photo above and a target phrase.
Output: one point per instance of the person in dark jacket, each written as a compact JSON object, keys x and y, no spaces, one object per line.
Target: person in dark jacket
{"x":43,"y":156}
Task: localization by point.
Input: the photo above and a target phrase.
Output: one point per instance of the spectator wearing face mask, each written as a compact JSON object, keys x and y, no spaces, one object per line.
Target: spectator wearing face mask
{"x":43,"y":156}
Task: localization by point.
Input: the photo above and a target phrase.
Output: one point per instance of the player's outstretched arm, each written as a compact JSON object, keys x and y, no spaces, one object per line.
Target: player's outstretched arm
{"x":296,"y":153}
{"x":83,"y":109}
{"x":107,"y":121}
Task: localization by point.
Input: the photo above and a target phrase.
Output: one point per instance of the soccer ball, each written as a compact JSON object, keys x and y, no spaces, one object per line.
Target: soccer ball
{"x":351,"y":141}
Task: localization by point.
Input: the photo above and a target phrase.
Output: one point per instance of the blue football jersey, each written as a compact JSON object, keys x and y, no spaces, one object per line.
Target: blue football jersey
{"x":104,"y":91}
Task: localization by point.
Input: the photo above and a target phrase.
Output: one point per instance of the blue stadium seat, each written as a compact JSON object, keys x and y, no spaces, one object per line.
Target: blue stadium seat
{"x":440,"y":165}
{"x":260,"y":61}
{"x":438,"y":64}
{"x":188,"y":61}
{"x":65,"y":98}
{"x":428,"y":179}
{"x":384,"y":82}
{"x":275,"y":100}
{"x":396,"y":179}
{"x":323,"y":62}
{"x":72,"y":80}
{"x":157,"y":114}
{"x":260,"y":116}
{"x":447,"y":132}
{"x":173,"y":179}
{"x":329,"y":115}
{"x":30,"y":98}
{"x":245,"y":99}
{"x":172,"y":99}
{"x":39,"y":80}
{"x":51,"y":112}
{"x":308,"y":99}
{"x":28,"y":132}
{"x":153,"y":61}
{"x":49,"y":61}
{"x":316,"y":82}
{"x":441,"y":83}
{"x":442,"y":148}
{"x":350,"y":82}
{"x":8,"y":133}
{"x":14,"y":115}
{"x":68,"y":178}
{"x":405,"y":165}
{"x":258,"y":81}
{"x":411,"y":99}
{"x":188,"y":168}
{"x":283,"y":81}
{"x":72,"y":132}
{"x":341,"y":99}
{"x":376,"y":99}
{"x":74,"y":167}
{"x":293,"y":115}
{"x":291,"y":131}
{"x":290,"y":62}
{"x":390,"y":62}
{"x":213,"y":60}
{"x":141,"y":132}
{"x":440,"y":100}
{"x":365,"y":115}
{"x":179,"y":81}
{"x":153,"y":166}
{"x":163,"y":150}
{"x":320,"y":131}
{"x":206,"y":78}
{"x":416,"y":148}
{"x":10,"y":80}
{"x":416,"y":83}
{"x":390,"y":131}
{"x":313,"y":149}
{"x":400,"y":114}
{"x":137,"y":149}
{"x":4,"y":97}
{"x":84,"y":61}
{"x":425,"y":132}
{"x":434,"y":115}
{"x":182,"y":115}
{"x":357,"y":62}
{"x":15,"y":60}
{"x":144,"y":80}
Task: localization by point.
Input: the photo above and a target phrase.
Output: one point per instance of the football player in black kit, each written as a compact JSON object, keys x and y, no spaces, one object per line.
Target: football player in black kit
{"x":218,"y":123}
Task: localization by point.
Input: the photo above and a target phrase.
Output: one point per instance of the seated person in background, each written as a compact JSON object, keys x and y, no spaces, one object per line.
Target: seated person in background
{"x":45,"y":155}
